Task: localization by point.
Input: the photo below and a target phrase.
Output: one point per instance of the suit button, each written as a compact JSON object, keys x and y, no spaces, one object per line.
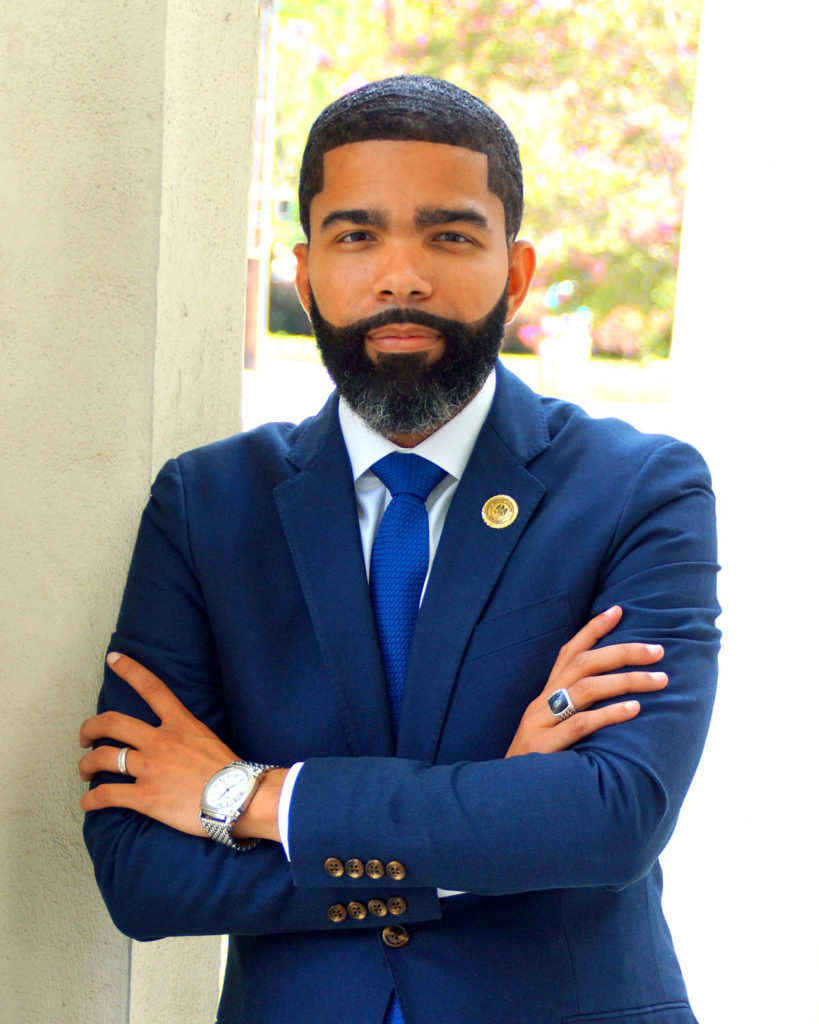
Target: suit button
{"x":395,"y":936}
{"x":356,"y":910}
{"x":333,"y":867}
{"x":396,"y":870}
{"x":396,"y":905}
{"x":378,"y":908}
{"x":337,"y":912}
{"x":374,"y":869}
{"x":354,"y":868}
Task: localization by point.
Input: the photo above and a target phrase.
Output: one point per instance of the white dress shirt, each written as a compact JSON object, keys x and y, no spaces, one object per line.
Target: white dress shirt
{"x":450,"y":448}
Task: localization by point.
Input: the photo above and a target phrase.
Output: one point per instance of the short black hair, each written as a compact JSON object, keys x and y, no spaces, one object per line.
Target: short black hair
{"x":415,"y":108}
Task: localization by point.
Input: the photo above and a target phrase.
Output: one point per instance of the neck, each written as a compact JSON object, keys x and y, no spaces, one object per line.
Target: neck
{"x":408,"y":440}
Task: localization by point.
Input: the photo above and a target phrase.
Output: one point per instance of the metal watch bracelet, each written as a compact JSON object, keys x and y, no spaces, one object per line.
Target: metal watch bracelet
{"x":221,"y":830}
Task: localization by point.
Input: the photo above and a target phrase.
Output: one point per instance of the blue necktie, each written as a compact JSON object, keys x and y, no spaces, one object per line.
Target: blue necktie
{"x":399,"y":562}
{"x":398,"y":568}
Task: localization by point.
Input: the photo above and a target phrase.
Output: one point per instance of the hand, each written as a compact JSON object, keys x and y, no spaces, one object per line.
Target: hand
{"x":170,"y":762}
{"x":578,"y":670}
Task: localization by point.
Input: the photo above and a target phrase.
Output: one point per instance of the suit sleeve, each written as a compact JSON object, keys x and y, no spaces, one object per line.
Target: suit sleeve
{"x":596,"y":815}
{"x":156,"y":881}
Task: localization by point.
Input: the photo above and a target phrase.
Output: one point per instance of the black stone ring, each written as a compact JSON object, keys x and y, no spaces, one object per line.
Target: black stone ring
{"x":560,"y":704}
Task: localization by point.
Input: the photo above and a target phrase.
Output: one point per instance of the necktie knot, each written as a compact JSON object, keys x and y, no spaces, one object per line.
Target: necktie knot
{"x":408,"y":474}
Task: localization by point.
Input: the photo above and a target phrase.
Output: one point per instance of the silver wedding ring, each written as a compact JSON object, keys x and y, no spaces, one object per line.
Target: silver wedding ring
{"x":122,"y":760}
{"x":560,"y":704}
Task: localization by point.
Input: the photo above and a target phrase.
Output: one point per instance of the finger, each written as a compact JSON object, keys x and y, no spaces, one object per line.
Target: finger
{"x":606,"y":659}
{"x":594,"y":631}
{"x":111,"y":794}
{"x":592,"y":689}
{"x":106,"y":759}
{"x":583,"y":724}
{"x":113,"y":725}
{"x":543,"y":737}
{"x":161,"y":700}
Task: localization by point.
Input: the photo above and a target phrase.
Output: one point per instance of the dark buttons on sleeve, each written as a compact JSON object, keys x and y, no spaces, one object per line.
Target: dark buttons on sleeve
{"x":396,"y":870}
{"x":374,"y":869}
{"x":333,"y":867}
{"x":356,"y":910}
{"x":337,"y":912}
{"x":395,"y":936}
{"x":354,"y":868}
{"x":378,"y":908}
{"x":396,"y":905}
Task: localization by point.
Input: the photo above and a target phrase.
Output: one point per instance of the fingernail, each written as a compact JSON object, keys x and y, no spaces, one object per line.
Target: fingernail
{"x":113,"y":657}
{"x":631,"y":706}
{"x":658,"y":677}
{"x":654,"y":648}
{"x":610,"y":611}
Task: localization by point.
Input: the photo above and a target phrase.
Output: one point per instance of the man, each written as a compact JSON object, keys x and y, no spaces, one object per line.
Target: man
{"x":447,"y":841}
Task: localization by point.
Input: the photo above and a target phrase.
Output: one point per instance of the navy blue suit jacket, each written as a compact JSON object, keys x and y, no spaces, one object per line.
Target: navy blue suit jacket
{"x":247,"y":594}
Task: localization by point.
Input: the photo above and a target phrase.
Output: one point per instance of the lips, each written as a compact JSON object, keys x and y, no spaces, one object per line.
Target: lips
{"x":402,"y":338}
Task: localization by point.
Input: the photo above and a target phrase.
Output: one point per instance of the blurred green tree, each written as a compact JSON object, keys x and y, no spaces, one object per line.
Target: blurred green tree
{"x":599,"y":97}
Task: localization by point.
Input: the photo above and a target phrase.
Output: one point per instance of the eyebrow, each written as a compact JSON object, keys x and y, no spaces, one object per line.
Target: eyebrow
{"x":425,"y":217}
{"x":432,"y":216}
{"x":367,"y":218}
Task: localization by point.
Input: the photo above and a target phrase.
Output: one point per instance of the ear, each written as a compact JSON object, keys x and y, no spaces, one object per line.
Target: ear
{"x":302,"y":282}
{"x":522,"y":262}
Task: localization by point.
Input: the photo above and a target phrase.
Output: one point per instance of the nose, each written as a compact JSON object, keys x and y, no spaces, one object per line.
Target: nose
{"x":402,"y":277}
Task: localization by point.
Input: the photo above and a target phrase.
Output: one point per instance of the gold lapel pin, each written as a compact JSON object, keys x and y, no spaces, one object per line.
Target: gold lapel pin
{"x":499,"y":511}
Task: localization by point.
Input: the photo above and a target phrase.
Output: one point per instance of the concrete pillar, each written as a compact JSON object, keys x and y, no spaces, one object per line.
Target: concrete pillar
{"x":741,"y":892}
{"x":124,"y":171}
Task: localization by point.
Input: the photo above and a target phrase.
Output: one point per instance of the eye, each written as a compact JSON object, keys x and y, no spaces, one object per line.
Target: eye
{"x":354,"y":236}
{"x":454,"y":237}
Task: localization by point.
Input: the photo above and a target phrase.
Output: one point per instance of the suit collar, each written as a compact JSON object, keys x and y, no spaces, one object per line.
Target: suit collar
{"x":518,"y":417}
{"x":314,"y":434}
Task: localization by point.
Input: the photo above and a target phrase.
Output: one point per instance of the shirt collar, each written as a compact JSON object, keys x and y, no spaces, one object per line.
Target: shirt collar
{"x":449,"y":447}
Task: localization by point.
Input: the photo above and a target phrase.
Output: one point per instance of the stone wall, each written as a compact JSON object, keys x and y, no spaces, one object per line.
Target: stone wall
{"x":126,"y":131}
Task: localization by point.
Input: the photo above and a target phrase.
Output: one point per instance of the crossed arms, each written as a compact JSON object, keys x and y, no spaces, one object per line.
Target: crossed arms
{"x":171,"y":762}
{"x":579,"y":802}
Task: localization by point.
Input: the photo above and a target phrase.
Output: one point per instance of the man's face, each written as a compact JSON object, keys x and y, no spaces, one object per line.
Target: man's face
{"x":408,"y":267}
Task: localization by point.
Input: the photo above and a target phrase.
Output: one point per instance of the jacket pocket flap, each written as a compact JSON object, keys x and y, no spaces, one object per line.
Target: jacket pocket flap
{"x":519,"y":625}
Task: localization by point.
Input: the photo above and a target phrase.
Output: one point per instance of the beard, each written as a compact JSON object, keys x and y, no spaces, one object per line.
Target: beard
{"x":401,"y":393}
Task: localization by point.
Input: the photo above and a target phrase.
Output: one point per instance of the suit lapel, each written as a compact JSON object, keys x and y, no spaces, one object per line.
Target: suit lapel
{"x":317,"y":507}
{"x":469,"y":560}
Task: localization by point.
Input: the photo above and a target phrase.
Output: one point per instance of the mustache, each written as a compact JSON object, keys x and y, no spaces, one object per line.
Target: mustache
{"x":397,"y":315}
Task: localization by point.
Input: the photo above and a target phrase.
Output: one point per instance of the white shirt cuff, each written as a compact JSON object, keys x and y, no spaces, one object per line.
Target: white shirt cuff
{"x":284,"y":805}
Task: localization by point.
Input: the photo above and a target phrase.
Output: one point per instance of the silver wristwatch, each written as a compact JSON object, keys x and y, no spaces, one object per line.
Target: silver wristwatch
{"x":225,"y":797}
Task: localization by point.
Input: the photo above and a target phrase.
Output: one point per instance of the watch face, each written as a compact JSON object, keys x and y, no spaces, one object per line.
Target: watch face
{"x":227,"y":790}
